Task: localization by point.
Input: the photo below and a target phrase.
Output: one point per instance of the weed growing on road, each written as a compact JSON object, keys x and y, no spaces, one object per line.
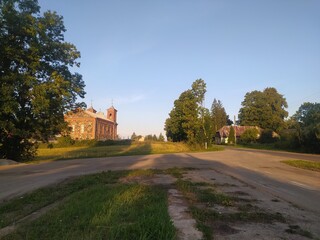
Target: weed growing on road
{"x":205,"y":201}
{"x":177,"y":172}
{"x":203,"y":192}
{"x":295,"y":229}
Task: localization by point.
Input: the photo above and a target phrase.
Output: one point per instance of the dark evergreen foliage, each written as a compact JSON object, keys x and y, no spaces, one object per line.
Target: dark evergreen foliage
{"x":268,"y":136}
{"x":219,"y":115}
{"x":231,"y":137}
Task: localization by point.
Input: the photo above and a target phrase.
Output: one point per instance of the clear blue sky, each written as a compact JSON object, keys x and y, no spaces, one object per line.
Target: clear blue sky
{"x":143,"y":54}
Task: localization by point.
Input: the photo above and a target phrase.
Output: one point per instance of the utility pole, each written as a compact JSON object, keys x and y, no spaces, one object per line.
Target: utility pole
{"x":203,"y":128}
{"x":235,"y":131}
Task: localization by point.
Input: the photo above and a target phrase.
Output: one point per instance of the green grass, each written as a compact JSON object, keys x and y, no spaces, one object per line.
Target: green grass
{"x":277,"y":146}
{"x":17,"y":208}
{"x":264,"y":146}
{"x":309,"y":165}
{"x":95,"y":207}
{"x":20,"y":207}
{"x":46,"y":154}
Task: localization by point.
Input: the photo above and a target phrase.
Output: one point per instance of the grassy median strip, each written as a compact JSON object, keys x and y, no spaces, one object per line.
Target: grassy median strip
{"x":309,"y":165}
{"x":94,"y":207}
{"x":19,"y":207}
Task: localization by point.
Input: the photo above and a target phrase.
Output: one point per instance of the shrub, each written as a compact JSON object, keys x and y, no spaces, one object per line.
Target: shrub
{"x":231,"y":137}
{"x":268,"y":136}
{"x":249,"y":136}
{"x":289,"y":140}
{"x":65,"y":141}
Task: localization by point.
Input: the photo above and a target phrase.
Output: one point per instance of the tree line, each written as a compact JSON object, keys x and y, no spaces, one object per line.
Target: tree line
{"x":149,"y":137}
{"x":189,"y":121}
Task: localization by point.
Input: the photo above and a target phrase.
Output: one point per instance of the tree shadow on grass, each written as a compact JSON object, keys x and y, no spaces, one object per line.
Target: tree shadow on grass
{"x":96,"y":151}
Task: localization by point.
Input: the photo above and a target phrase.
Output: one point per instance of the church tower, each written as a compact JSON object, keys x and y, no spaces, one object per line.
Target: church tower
{"x":112,"y":116}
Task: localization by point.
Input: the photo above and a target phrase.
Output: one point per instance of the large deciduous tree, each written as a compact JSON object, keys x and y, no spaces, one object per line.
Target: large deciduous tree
{"x":183,"y":118}
{"x":37,"y":84}
{"x":265,"y":109}
{"x":308,"y":125}
{"x":187,"y":119}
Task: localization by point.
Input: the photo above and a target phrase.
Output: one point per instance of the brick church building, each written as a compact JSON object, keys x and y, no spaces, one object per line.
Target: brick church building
{"x":90,"y":124}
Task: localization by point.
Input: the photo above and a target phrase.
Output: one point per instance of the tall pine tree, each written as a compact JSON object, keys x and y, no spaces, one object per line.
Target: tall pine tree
{"x":219,"y":115}
{"x":231,"y":137}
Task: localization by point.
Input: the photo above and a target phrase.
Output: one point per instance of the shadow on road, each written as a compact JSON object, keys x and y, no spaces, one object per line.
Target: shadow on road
{"x":18,"y":180}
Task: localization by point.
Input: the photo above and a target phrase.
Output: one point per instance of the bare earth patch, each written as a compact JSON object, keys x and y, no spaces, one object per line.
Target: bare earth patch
{"x":182,"y":220}
{"x":248,"y":199}
{"x":306,"y":222}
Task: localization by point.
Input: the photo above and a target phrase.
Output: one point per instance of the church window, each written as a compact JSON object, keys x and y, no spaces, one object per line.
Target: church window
{"x":82,"y":128}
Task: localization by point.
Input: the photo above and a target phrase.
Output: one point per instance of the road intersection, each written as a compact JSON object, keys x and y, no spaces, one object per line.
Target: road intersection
{"x":259,"y":168}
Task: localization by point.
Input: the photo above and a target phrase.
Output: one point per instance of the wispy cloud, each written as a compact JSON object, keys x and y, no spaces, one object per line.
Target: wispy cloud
{"x":129,"y":99}
{"x":103,"y":103}
{"x":122,"y":100}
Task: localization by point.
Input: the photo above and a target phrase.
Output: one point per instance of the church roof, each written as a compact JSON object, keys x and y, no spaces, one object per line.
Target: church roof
{"x":91,"y":112}
{"x":91,"y":109}
{"x":97,"y":115}
{"x":112,"y":107}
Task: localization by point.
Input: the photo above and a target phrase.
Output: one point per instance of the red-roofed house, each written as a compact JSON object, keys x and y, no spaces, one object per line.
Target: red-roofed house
{"x":223,"y":133}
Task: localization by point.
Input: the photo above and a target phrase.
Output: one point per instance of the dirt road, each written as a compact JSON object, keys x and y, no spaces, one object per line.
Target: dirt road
{"x":260,"y":169}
